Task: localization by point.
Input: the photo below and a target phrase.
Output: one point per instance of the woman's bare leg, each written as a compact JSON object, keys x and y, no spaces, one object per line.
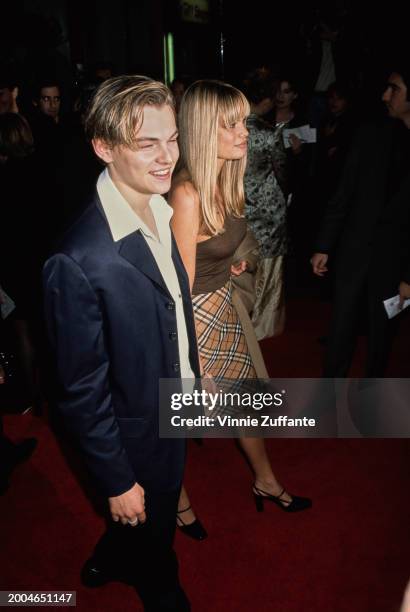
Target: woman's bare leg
{"x":265,"y":479}
{"x":188,"y":517}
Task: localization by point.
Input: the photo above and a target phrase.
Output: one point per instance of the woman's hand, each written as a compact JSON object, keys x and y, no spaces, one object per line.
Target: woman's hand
{"x":239,"y":268}
{"x":209,"y":383}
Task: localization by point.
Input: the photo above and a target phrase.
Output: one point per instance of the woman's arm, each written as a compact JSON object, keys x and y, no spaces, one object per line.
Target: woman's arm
{"x":185,"y":224}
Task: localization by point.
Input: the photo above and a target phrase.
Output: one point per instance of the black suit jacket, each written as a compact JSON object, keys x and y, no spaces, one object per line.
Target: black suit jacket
{"x":369,"y":216}
{"x":112,"y":323}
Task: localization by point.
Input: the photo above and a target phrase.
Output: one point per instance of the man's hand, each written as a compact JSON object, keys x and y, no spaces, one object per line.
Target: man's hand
{"x":237,"y":269}
{"x":404,"y":292}
{"x":295,"y":143}
{"x":319,"y":261}
{"x":129,"y":508}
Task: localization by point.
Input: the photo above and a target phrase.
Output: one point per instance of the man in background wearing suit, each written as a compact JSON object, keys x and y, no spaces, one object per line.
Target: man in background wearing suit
{"x":369,"y":221}
{"x":120,"y":318}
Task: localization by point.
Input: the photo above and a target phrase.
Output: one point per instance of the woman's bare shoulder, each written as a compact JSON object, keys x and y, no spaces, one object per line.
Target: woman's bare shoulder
{"x":183,"y":189}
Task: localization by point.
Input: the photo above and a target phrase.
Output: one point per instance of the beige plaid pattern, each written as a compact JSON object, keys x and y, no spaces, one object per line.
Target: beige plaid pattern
{"x":221,"y":341}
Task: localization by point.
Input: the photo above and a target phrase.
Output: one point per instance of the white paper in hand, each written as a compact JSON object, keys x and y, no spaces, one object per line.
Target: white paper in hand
{"x":392,"y":306}
{"x":6,"y":303}
{"x":304,"y":132}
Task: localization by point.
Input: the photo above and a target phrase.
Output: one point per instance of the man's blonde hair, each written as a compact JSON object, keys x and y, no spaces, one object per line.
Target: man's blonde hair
{"x":204,"y":105}
{"x":115,"y":111}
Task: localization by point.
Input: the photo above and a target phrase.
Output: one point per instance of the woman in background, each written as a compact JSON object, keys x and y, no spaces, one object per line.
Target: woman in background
{"x":266,"y":208}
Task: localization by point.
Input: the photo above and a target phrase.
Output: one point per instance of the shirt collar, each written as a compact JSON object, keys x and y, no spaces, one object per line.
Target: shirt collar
{"x":122,"y":220}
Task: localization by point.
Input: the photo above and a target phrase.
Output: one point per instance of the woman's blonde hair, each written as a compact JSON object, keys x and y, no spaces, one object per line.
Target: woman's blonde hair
{"x":204,"y":106}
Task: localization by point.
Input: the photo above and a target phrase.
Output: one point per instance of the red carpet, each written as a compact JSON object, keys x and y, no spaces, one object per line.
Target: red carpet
{"x":348,"y":554}
{"x":297,"y":352}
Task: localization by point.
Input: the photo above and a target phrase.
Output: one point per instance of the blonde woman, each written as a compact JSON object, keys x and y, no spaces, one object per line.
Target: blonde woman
{"x":207,"y":196}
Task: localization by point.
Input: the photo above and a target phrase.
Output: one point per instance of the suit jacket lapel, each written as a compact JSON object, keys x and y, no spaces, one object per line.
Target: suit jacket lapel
{"x":135,"y":250}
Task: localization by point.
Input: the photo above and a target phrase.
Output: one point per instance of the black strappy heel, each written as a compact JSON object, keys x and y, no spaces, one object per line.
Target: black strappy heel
{"x":296,"y":505}
{"x":194,"y":530}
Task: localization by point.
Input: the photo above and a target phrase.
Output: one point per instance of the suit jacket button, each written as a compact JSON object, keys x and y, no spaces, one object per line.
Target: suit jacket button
{"x":172,"y":335}
{"x":170,"y":306}
{"x":175,"y":367}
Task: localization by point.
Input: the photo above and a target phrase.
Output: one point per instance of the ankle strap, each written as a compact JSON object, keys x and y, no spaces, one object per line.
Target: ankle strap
{"x":265,"y":493}
{"x":189,"y":508}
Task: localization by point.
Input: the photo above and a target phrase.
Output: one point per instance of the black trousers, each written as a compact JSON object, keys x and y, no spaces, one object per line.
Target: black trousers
{"x":146,"y":556}
{"x":350,"y":302}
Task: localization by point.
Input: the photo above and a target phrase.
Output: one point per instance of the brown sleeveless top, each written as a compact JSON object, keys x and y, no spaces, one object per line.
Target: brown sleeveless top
{"x":214,"y":256}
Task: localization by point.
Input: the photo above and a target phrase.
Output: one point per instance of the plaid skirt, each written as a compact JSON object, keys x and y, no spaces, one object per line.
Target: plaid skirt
{"x":221,"y":341}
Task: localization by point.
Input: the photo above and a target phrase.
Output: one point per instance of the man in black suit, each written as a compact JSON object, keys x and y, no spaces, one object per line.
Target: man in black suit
{"x":369,"y":221}
{"x":120,"y":318}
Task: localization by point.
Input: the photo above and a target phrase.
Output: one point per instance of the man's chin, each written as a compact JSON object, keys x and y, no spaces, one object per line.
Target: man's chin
{"x":162,"y":187}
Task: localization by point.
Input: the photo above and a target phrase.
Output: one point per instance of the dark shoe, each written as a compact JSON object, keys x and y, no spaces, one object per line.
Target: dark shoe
{"x":95,"y":574}
{"x":173,"y":600}
{"x":92,"y":575}
{"x":296,"y":505}
{"x":194,"y":530}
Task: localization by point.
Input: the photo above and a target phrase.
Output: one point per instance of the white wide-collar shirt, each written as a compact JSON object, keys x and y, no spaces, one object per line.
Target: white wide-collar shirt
{"x":122,"y":221}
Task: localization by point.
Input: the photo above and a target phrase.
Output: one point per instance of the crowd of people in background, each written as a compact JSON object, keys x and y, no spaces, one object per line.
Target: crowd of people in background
{"x":317,"y":180}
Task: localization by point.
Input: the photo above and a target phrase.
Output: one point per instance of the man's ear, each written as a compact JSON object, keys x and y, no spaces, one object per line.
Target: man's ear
{"x":15,"y":93}
{"x":102,"y":150}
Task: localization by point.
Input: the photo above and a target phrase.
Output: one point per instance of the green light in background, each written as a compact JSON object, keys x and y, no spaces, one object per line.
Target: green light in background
{"x":169,"y":63}
{"x":166,"y":80}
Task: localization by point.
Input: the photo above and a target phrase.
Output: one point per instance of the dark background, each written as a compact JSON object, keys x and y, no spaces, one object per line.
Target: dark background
{"x":59,"y":34}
